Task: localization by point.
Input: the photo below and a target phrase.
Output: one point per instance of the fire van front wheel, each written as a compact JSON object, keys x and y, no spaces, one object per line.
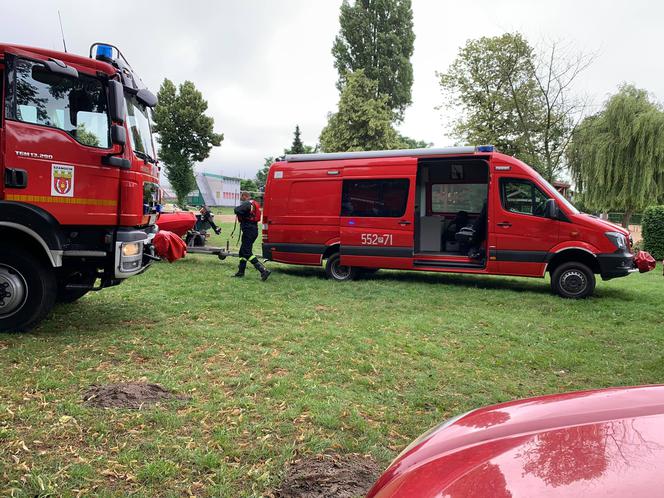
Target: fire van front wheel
{"x":573,"y":280}
{"x":27,"y":290}
{"x":336,"y":271}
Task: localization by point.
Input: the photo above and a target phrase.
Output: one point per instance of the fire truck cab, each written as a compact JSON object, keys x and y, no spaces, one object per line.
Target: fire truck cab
{"x":456,"y":209}
{"x":79,"y":194}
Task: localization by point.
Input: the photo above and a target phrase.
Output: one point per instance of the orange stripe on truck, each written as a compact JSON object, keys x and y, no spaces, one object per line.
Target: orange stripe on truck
{"x":49,"y":199}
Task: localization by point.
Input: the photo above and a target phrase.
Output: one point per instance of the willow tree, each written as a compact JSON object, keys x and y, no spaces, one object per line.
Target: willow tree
{"x":617,"y":155}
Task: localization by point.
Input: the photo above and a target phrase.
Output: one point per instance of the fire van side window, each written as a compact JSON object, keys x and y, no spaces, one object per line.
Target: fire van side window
{"x":523,"y":197}
{"x":75,"y":105}
{"x":374,"y":198}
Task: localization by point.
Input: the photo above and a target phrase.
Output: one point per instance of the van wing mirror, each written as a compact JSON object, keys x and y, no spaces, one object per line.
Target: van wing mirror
{"x":116,"y":101}
{"x":58,"y":67}
{"x":551,"y":209}
{"x":146,"y":97}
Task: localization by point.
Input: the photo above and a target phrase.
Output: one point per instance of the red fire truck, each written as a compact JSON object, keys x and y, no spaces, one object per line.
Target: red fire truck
{"x":456,"y":209}
{"x":79,"y":196}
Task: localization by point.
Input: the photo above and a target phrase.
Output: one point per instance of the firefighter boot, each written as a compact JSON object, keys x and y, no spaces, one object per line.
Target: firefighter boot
{"x":259,"y":266}
{"x":241,"y":268}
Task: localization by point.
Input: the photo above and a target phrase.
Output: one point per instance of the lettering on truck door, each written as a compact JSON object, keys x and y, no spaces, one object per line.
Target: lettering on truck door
{"x":377,"y":216}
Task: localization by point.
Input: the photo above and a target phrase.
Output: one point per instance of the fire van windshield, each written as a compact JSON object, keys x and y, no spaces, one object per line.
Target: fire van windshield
{"x":140,"y":134}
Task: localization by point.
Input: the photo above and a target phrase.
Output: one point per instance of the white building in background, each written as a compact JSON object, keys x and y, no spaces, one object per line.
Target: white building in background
{"x":212,"y":190}
{"x":218,"y":190}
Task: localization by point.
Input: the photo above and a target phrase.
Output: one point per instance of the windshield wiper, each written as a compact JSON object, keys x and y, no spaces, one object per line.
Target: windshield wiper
{"x":146,"y":157}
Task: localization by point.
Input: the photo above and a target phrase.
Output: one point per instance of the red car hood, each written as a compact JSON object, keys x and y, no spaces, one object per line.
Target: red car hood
{"x":594,"y":443}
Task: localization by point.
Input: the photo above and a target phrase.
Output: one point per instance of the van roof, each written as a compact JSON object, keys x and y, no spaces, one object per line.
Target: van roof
{"x":440,"y":151}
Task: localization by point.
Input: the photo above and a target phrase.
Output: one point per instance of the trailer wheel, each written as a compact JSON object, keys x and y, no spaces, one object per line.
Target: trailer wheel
{"x":573,"y":280}
{"x":336,"y":271}
{"x":27,"y":290}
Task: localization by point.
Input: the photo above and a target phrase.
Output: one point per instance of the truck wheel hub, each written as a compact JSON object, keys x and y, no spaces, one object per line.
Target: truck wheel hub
{"x":573,"y":281}
{"x":13,"y":291}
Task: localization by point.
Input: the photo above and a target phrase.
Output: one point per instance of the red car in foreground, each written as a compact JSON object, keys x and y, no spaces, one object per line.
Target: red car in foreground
{"x":608,"y":442}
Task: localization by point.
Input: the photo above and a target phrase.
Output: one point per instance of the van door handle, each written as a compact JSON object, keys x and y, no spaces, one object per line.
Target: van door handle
{"x":403,"y":223}
{"x":505,"y":224}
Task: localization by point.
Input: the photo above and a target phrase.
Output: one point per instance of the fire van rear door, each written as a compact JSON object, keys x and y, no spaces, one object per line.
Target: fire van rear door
{"x":377,"y":215}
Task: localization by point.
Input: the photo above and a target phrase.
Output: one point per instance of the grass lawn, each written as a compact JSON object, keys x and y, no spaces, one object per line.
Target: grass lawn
{"x":293,"y":366}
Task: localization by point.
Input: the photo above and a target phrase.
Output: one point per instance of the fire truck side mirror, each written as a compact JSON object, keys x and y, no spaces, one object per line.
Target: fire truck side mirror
{"x":56,"y":66}
{"x":116,"y":101}
{"x":116,"y":162}
{"x":146,"y":97}
{"x":118,"y":135}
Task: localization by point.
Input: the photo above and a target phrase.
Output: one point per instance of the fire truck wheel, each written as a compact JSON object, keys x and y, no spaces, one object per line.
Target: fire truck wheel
{"x":573,"y":280}
{"x":336,"y":271}
{"x":27,"y":289}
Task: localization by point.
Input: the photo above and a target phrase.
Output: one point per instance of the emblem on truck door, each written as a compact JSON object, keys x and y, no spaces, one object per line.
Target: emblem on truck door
{"x":62,"y":180}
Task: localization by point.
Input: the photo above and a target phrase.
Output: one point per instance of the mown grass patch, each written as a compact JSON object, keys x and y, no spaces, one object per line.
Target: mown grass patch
{"x":295,"y":365}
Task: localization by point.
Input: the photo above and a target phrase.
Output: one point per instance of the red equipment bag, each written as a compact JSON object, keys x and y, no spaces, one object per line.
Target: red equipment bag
{"x":255,"y":215}
{"x":644,"y":261}
{"x":169,"y":246}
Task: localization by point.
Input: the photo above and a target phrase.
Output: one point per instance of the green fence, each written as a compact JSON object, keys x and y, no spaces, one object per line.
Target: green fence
{"x":617,"y":218}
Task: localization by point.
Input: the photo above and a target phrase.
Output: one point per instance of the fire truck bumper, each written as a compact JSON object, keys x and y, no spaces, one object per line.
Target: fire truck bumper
{"x":133,"y":251}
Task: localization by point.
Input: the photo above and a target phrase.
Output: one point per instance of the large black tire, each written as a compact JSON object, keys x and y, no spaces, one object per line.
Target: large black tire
{"x":335,"y":271}
{"x":573,"y":280}
{"x":27,"y":289}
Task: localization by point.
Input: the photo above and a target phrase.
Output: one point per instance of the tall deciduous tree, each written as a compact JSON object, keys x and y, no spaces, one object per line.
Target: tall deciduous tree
{"x":377,"y":36}
{"x":363,"y":121}
{"x":617,"y":155}
{"x":186,"y":134}
{"x":518,"y":99}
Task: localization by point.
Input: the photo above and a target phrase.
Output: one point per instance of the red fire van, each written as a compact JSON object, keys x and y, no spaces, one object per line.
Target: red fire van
{"x":456,"y":209}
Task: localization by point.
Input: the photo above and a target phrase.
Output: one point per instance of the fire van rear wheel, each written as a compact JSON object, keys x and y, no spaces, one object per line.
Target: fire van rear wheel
{"x":573,"y":280}
{"x":27,"y":290}
{"x":336,"y":271}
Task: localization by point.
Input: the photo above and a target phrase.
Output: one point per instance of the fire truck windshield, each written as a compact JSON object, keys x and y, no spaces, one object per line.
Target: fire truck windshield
{"x":138,"y":120}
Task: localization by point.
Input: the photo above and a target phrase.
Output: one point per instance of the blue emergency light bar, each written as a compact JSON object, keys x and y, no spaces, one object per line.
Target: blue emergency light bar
{"x":104,"y":52}
{"x":485,"y":148}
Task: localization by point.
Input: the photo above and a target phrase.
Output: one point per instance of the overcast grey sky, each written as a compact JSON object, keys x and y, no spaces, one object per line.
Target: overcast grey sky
{"x":265,"y":66}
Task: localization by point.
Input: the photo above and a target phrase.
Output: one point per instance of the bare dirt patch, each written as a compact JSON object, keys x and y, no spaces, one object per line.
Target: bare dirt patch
{"x":326,"y":476}
{"x":134,"y":395}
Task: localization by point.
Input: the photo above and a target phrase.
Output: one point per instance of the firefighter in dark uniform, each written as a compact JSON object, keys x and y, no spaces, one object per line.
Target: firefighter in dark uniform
{"x":249,"y":214}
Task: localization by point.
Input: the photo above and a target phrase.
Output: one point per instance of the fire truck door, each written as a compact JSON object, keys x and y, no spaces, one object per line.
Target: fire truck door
{"x":56,"y":134}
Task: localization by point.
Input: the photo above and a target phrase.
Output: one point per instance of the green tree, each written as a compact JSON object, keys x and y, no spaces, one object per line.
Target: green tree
{"x":377,"y":36}
{"x":297,"y":147}
{"x":261,"y":175}
{"x":248,"y":185}
{"x":411,"y":143}
{"x":518,"y":99}
{"x":363,"y":121}
{"x":617,"y":155}
{"x":186,"y":134}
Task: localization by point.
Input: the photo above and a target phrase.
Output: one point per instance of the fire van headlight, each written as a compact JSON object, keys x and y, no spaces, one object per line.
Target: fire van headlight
{"x":617,"y":239}
{"x":132,"y":249}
